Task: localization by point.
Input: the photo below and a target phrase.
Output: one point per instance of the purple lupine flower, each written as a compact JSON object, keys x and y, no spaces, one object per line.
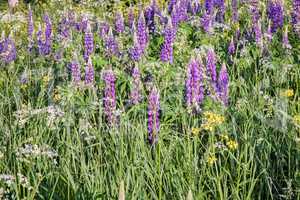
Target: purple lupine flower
{"x":44,"y":39}
{"x":119,"y":22}
{"x":131,"y":18}
{"x":235,"y":12}
{"x":172,"y":3}
{"x":182,"y":8}
{"x":258,"y":35}
{"x":75,"y":72}
{"x":89,"y":73}
{"x":275,"y":14}
{"x":285,"y":39}
{"x":58,"y":55}
{"x":166,"y":54}
{"x":206,"y":22}
{"x":268,"y":34}
{"x":223,"y":85}
{"x":109,"y":100}
{"x":175,"y":17}
{"x":211,"y":66}
{"x":231,"y":47}
{"x":193,"y":86}
{"x":153,"y":116}
{"x":194,"y":7}
{"x":149,"y":18}
{"x":103,"y":29}
{"x":111,"y":45}
{"x":30,"y":30}
{"x":254,"y":11}
{"x":63,"y":27}
{"x":220,"y":5}
{"x":40,"y":40}
{"x":142,"y":34}
{"x":88,"y":43}
{"x":8,"y":51}
{"x":135,"y":94}
{"x":136,"y":51}
{"x":296,"y":16}
{"x":48,"y":29}
{"x":209,"y":6}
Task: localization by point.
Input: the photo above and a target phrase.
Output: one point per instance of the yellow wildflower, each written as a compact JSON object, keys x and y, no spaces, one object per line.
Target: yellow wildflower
{"x":211,"y":159}
{"x":195,"y":131}
{"x":224,"y":137}
{"x":46,"y":79}
{"x":296,"y":119}
{"x":287,"y":93}
{"x":212,"y":120}
{"x":232,"y":145}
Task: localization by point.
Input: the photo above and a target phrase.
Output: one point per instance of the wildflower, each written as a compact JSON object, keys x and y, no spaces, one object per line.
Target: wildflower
{"x":166,"y":54}
{"x":7,"y":179}
{"x":209,"y":6}
{"x":46,"y":79}
{"x":269,"y":33}
{"x":75,"y":72}
{"x":30,"y":30}
{"x":211,"y":65}
{"x":194,"y":88}
{"x":296,"y":16}
{"x":135,"y":94}
{"x":89,"y":72}
{"x":103,"y":29}
{"x":220,"y":5}
{"x":34,"y":151}
{"x":258,"y":35}
{"x":296,"y":119}
{"x":194,"y":7}
{"x":142,"y":34}
{"x":110,"y":97}
{"x":131,"y":18}
{"x":136,"y":51}
{"x":207,"y":22}
{"x":153,"y":116}
{"x":287,"y":93}
{"x":111,"y":45}
{"x":235,"y":13}
{"x":254,"y":11}
{"x":64,"y":27}
{"x":211,"y":159}
{"x":232,"y":145}
{"x":88,"y":42}
{"x":223,"y":85}
{"x":231,"y":47}
{"x":149,"y":17}
{"x":119,"y":22}
{"x":175,"y":17}
{"x":285,"y":39}
{"x":8,"y":51}
{"x":224,"y":137}
{"x":195,"y":131}
{"x":171,"y":5}
{"x":275,"y":14}
{"x":211,"y":121}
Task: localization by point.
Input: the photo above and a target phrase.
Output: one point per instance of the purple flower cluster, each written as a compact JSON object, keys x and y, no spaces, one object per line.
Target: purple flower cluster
{"x":131,"y":18}
{"x":211,"y":65}
{"x":88,"y":42}
{"x":75,"y":71}
{"x":258,"y":35}
{"x":220,"y":5}
{"x":285,"y":39}
{"x":64,"y":27}
{"x":235,"y":13}
{"x":209,"y":6}
{"x":254,"y":11}
{"x":8,"y":51}
{"x":103,"y":29}
{"x":223,"y":85}
{"x":135,"y":52}
{"x":89,"y":73}
{"x":275,"y":14}
{"x":142,"y":34}
{"x":110,"y":97}
{"x":149,"y":18}
{"x":30,"y":29}
{"x":166,"y":54}
{"x":172,"y":3}
{"x":207,"y":23}
{"x":193,"y":86}
{"x":153,"y":116}
{"x":296,"y":15}
{"x":44,"y":39}
{"x":111,"y":45}
{"x":231,"y":47}
{"x":135,"y":94}
{"x":119,"y":23}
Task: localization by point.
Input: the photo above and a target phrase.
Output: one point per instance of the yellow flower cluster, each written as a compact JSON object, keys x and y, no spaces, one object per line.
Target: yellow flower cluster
{"x":195,"y":131}
{"x":211,"y":159}
{"x":212,"y":120}
{"x":296,"y":119}
{"x":46,"y":79}
{"x":287,"y":93}
{"x":230,"y":143}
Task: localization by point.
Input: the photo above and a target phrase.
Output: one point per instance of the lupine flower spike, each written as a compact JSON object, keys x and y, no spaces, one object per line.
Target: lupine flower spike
{"x":75,"y":71}
{"x":89,"y":73}
{"x":119,"y":22}
{"x":296,"y":16}
{"x":8,"y":51}
{"x":30,"y":30}
{"x":223,"y":85}
{"x":258,"y":35}
{"x":166,"y":54}
{"x":153,"y":116}
{"x":275,"y":14}
{"x":231,"y":48}
{"x":110,"y":97}
{"x":136,"y":51}
{"x":194,"y":85}
{"x":111,"y":45}
{"x":135,"y":94}
{"x":142,"y":34}
{"x":88,"y":42}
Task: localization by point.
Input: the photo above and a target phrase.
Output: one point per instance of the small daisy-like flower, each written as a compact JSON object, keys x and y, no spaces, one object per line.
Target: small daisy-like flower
{"x":287,"y":93}
{"x":211,"y":159}
{"x":232,"y":144}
